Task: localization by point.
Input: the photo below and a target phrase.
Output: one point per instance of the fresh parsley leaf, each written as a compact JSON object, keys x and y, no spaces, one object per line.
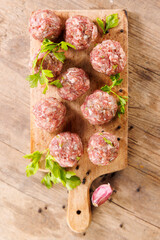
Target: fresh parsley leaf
{"x":101,"y":24}
{"x":33,"y":80}
{"x":48,"y":73}
{"x":56,"y":174}
{"x":42,"y":76}
{"x":35,"y":156}
{"x":69,"y":174}
{"x":47,"y":180}
{"x":119,"y":114}
{"x":48,"y":48}
{"x":35,"y":61}
{"x":114,"y":67}
{"x":73,"y":182}
{"x":122,"y":99}
{"x":122,"y":102}
{"x":65,"y":45}
{"x":113,"y":84}
{"x":60,"y":56}
{"x":59,"y":174}
{"x":54,"y":179}
{"x":49,"y":162}
{"x":115,"y":77}
{"x":56,"y":170}
{"x":106,"y":88}
{"x":108,"y":141}
{"x":43,"y":80}
{"x":119,"y":82}
{"x":48,"y":45}
{"x":46,"y":41}
{"x":33,"y":167}
{"x":57,"y":83}
{"x":122,"y":108}
{"x":45,"y":89}
{"x":111,"y":21}
{"x":63,"y":176}
{"x":70,"y":45}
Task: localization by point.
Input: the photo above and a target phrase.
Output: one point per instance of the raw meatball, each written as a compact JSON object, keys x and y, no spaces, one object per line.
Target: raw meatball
{"x":66,"y":148}
{"x":50,"y":62}
{"x":99,"y":107}
{"x":45,"y":24}
{"x":101,"y":152}
{"x":75,"y":83}
{"x":108,"y":57}
{"x":80,"y":31}
{"x":49,"y":114}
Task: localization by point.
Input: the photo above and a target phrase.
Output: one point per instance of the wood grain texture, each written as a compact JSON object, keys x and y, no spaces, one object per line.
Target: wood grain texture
{"x":79,"y":198}
{"x":134,"y":210}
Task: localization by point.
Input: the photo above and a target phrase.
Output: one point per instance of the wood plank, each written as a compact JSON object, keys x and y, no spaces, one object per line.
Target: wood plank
{"x":26,"y":222}
{"x":25,"y":201}
{"x":79,"y":198}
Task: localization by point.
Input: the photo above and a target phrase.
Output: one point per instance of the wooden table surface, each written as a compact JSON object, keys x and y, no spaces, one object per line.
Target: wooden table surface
{"x":30,"y":211}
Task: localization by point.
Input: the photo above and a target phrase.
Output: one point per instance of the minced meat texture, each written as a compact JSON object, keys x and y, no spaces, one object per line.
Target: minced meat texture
{"x":75,"y":83}
{"x":66,"y":148}
{"x":45,"y":24}
{"x":99,"y":107}
{"x":108,"y":57}
{"x":49,"y":114}
{"x":80,"y":31}
{"x":101,"y":152}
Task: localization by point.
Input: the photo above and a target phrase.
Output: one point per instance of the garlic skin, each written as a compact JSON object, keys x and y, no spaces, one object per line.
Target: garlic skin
{"x":101,"y":194}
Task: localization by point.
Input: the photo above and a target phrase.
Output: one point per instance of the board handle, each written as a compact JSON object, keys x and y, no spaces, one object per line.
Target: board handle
{"x":79,"y":209}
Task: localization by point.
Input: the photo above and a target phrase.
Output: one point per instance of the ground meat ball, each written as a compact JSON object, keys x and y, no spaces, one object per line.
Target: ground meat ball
{"x":50,"y":62}
{"x":45,"y":24}
{"x":66,"y":148}
{"x":99,"y":107}
{"x":80,"y":31}
{"x":108,"y":57}
{"x":75,"y":83}
{"x":99,"y":151}
{"x":49,"y":114}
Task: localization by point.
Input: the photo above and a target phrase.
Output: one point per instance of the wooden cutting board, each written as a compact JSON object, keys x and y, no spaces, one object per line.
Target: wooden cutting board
{"x":79,"y":213}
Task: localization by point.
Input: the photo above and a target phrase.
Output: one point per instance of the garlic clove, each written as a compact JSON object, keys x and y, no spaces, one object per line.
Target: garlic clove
{"x":101,"y":194}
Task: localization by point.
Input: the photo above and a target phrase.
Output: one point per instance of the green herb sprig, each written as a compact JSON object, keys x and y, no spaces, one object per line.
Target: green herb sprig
{"x":42,"y":76}
{"x":122,"y":99}
{"x":111,"y":22}
{"x":56,"y":173}
{"x":108,"y":141}
{"x":33,"y":167}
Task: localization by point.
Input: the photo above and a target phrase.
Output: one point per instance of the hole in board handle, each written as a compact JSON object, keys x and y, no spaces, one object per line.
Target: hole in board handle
{"x":78,"y":212}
